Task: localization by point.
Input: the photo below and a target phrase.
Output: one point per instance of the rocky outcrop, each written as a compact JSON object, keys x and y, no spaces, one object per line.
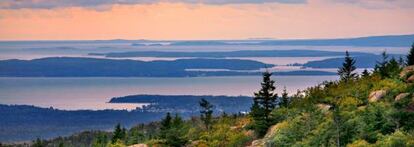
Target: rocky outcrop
{"x":266,"y":140}
{"x":324,"y":107}
{"x":138,"y":145}
{"x":401,"y":96}
{"x":407,"y":74}
{"x":376,"y":95}
{"x":410,"y":79}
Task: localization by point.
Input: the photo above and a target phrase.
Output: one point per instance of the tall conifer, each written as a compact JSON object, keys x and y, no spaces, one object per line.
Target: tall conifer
{"x":346,"y":72}
{"x":263,"y":103}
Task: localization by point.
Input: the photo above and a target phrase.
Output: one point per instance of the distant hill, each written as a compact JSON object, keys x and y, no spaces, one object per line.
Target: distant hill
{"x":368,"y":61}
{"x":92,"y":67}
{"x":368,"y":41}
{"x":88,"y":67}
{"x":242,"y":53}
{"x":383,"y":41}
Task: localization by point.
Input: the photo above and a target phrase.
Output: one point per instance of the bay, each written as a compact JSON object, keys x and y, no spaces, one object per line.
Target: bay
{"x":94,"y":93}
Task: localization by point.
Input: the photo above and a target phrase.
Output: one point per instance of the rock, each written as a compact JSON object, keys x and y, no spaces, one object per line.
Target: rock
{"x":410,"y":79}
{"x":257,"y":143}
{"x":266,"y":141}
{"x":249,"y":133}
{"x":138,"y":145}
{"x":407,"y":74}
{"x":404,"y":73}
{"x":362,"y":107}
{"x":401,"y":96}
{"x":376,"y":95}
{"x":234,"y":128}
{"x":324,"y":107}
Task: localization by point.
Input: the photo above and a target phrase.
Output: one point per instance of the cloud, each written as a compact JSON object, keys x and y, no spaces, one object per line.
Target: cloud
{"x":378,"y":4}
{"x":49,"y":4}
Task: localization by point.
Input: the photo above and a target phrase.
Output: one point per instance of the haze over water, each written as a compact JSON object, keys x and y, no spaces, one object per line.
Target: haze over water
{"x":93,"y":93}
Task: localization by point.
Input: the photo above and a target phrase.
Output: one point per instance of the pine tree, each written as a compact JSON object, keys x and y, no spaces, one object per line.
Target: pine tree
{"x":173,"y":131}
{"x":393,"y":68}
{"x":387,"y":68}
{"x":263,"y":103}
{"x":410,"y":56}
{"x":38,"y":143}
{"x":284,"y":102}
{"x":381,"y":66}
{"x":119,"y":133}
{"x":166,"y":123}
{"x":346,"y":72}
{"x":365,"y":73}
{"x":206,"y":113}
{"x":100,"y":141}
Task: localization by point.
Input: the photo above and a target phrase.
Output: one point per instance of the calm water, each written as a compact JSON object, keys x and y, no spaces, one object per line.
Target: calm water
{"x":93,"y":93}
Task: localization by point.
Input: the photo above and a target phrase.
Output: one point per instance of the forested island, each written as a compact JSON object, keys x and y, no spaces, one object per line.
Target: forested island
{"x":92,"y":67}
{"x":224,"y":54}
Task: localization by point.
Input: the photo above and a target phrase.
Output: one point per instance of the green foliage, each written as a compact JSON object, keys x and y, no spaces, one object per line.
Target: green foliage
{"x":135,"y":136}
{"x":38,"y":143}
{"x":396,"y":139}
{"x":263,"y":103}
{"x":206,"y":113}
{"x":119,"y":134}
{"x":101,"y":140}
{"x":118,"y":143}
{"x":388,"y":68}
{"x":284,"y":101}
{"x":344,"y":117}
{"x":226,"y":132}
{"x":346,"y":72}
{"x":365,"y":73}
{"x":173,"y":131}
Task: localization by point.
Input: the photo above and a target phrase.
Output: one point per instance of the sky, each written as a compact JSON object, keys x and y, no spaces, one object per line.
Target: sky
{"x":202,"y":19}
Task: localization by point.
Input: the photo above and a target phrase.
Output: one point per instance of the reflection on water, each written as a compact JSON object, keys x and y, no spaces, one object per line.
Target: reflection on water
{"x":94,"y":93}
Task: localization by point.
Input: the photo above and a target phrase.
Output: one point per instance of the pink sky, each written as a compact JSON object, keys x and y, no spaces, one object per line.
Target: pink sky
{"x":188,"y":20}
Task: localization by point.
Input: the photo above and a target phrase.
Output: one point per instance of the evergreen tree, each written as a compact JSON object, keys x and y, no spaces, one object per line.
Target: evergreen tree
{"x":38,"y":143}
{"x":100,"y":141}
{"x":263,"y":103}
{"x":381,"y":66}
{"x":393,"y":68}
{"x":119,"y":133}
{"x":165,"y":125}
{"x":206,"y":113}
{"x":173,"y":131}
{"x":365,"y":73}
{"x":346,"y":72}
{"x":387,"y":68}
{"x":284,"y":102}
{"x":410,"y":56}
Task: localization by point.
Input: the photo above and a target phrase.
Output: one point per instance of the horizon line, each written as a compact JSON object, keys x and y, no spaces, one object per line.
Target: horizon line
{"x":177,"y":40}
